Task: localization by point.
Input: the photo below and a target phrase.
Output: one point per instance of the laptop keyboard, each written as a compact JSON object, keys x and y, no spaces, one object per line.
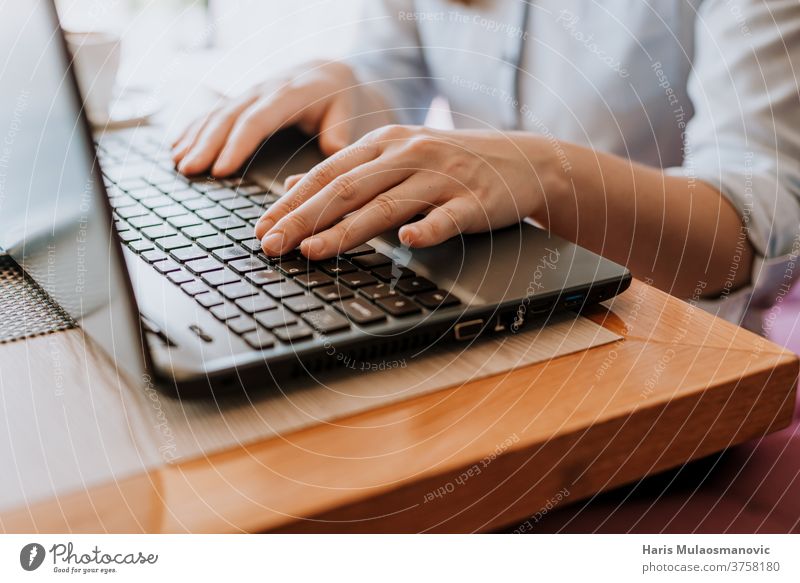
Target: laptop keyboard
{"x":199,"y":233}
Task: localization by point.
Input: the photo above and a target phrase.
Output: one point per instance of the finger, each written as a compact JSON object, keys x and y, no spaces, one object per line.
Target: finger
{"x":346,"y":193}
{"x":259,"y":121}
{"x":212,"y":137}
{"x":292,"y":180}
{"x":313,"y":181}
{"x":442,"y":223}
{"x":189,"y":137}
{"x":389,"y":209}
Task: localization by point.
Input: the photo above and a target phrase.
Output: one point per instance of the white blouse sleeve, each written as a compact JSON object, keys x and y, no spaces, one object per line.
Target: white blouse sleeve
{"x":744,"y":138}
{"x":388,"y":54}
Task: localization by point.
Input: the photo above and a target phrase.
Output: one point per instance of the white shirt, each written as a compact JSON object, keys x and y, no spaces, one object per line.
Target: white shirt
{"x":707,"y":89}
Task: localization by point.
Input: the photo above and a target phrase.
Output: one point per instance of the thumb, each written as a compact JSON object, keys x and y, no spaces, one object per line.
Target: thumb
{"x":335,"y":128}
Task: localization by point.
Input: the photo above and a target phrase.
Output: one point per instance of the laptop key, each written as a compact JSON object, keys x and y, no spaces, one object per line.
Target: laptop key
{"x":253,"y":245}
{"x":147,"y":220}
{"x":360,"y":250}
{"x":275,"y":318}
{"x":230,"y":253}
{"x":205,"y":183}
{"x":415,"y":285}
{"x":242,"y":324}
{"x":225,"y":311}
{"x":159,"y":201}
{"x":196,"y":204}
{"x":141,"y":246}
{"x":399,"y":306}
{"x":248,"y":213}
{"x":182,"y":193}
{"x":185,"y":254}
{"x":335,"y":266}
{"x":129,"y":212}
{"x":209,"y":299}
{"x":259,"y":339}
{"x":181,"y":221}
{"x":357,"y":279}
{"x":198,"y":231}
{"x":377,"y":292}
{"x":221,"y":194}
{"x":121,"y":201}
{"x":293,"y":333}
{"x":264,"y":200}
{"x":283,"y":289}
{"x":294,"y":267}
{"x":220,"y":277}
{"x":392,"y":273}
{"x":241,"y":234}
{"x":180,"y":277}
{"x":313,"y":279}
{"x":129,"y":236}
{"x":333,"y":293}
{"x":326,"y":321}
{"x":236,"y":203}
{"x":300,"y":304}
{"x":360,"y":311}
{"x":213,"y":242}
{"x":251,"y":190}
{"x":239,"y":289}
{"x":248,"y":265}
{"x":159,"y":232}
{"x":154,"y":256}
{"x":436,"y":299}
{"x":371,"y":261}
{"x":166,"y":266}
{"x":204,"y":265}
{"x":195,"y":287}
{"x":175,"y":242}
{"x":264,"y":277}
{"x":256,"y":304}
{"x":227,"y":223}
{"x":214,"y":212}
{"x":173,"y":210}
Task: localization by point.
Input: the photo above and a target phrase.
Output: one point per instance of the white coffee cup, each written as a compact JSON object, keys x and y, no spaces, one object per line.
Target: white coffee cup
{"x":96,"y":62}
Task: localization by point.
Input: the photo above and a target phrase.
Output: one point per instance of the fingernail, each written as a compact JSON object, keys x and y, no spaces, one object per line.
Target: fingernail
{"x":409,"y":235}
{"x":272,"y":243}
{"x":313,"y":246}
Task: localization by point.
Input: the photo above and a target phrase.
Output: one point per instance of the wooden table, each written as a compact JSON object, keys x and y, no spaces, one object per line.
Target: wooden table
{"x":680,"y":385}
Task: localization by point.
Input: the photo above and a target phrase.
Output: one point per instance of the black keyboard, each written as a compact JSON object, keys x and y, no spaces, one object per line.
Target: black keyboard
{"x":199,"y":233}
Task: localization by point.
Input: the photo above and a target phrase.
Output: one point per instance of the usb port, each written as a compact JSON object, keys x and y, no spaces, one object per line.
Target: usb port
{"x":468,"y":330}
{"x":573,"y":300}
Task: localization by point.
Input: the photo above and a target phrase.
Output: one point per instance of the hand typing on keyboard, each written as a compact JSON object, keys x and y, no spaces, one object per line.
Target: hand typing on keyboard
{"x":323,"y":98}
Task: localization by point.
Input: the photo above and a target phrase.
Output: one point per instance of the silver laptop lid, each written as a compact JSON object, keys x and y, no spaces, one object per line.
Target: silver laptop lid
{"x":55,"y":220}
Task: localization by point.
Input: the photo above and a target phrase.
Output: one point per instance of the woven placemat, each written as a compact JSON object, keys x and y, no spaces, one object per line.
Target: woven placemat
{"x":25,"y":308}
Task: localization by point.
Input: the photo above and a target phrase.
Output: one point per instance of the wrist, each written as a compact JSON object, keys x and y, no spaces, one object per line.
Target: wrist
{"x":550,"y":169}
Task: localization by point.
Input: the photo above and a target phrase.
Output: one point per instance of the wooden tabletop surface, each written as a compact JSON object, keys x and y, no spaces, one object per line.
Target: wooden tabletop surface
{"x":680,"y":385}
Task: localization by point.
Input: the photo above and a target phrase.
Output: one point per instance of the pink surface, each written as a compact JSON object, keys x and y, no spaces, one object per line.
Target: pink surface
{"x":752,"y":488}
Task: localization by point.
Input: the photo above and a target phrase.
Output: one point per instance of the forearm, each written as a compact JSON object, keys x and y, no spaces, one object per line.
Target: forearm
{"x":680,"y":233}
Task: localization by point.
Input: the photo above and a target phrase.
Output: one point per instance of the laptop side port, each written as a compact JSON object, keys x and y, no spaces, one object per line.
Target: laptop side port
{"x":573,"y":300}
{"x":468,"y":330}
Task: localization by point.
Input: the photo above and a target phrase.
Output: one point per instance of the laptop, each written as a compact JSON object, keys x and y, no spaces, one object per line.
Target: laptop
{"x":165,"y":275}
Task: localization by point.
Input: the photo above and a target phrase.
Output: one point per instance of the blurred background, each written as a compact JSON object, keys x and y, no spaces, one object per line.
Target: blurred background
{"x":226,"y":44}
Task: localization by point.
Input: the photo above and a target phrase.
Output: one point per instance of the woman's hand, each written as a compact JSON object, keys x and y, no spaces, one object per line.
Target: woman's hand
{"x":321,"y":97}
{"x":463,"y":181}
